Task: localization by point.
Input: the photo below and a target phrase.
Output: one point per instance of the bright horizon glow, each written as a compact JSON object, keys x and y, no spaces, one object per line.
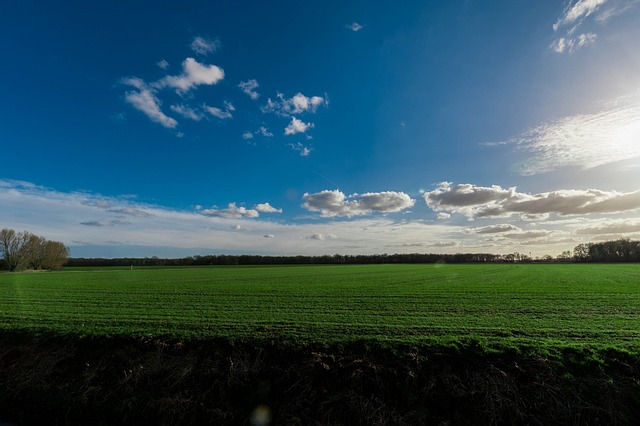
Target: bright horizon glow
{"x":300,"y":129}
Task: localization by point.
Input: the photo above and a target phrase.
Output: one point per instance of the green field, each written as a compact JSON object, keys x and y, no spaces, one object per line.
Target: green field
{"x":504,"y":305}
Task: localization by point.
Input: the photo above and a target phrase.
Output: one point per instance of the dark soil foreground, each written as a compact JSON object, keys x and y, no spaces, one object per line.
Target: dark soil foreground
{"x":66,"y":380}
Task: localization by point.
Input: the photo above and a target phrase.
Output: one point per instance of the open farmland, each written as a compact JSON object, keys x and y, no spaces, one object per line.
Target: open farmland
{"x":498,"y":305}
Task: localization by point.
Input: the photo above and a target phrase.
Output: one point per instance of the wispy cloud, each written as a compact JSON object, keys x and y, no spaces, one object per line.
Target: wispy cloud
{"x":204,"y":45}
{"x":610,"y":227}
{"x":222,"y":114}
{"x":583,"y":140}
{"x":106,"y":222}
{"x":336,"y":203}
{"x":354,"y":26}
{"x":578,"y":10}
{"x":163,"y":64}
{"x":248,"y":87}
{"x":144,"y":99}
{"x":477,"y":201}
{"x":304,"y":151}
{"x":187,"y":112}
{"x":581,"y":13}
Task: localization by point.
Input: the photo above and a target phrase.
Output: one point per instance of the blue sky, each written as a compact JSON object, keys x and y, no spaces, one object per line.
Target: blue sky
{"x":156,"y":128}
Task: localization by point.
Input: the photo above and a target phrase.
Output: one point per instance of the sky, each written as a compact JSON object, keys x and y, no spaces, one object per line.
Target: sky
{"x":170,"y":129}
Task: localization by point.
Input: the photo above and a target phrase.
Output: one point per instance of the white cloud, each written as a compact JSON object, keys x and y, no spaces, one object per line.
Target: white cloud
{"x":298,"y":104}
{"x":193,"y":74}
{"x":322,"y":237}
{"x":173,"y":233}
{"x":303,"y":150}
{"x":442,"y":215}
{"x":335,"y":203}
{"x":144,"y":99}
{"x":354,"y":26}
{"x":249,"y":87}
{"x":265,"y":132}
{"x":247,"y":135}
{"x":584,"y":140}
{"x":203,"y":46}
{"x":163,"y":64}
{"x":222,"y":114}
{"x":583,"y":13}
{"x":101,"y":223}
{"x":187,"y":112}
{"x":231,"y":212}
{"x":495,"y":229}
{"x":580,"y":9}
{"x":611,"y":227}
{"x":297,"y":126}
{"x":266,"y":208}
{"x":571,"y":44}
{"x":477,"y":201}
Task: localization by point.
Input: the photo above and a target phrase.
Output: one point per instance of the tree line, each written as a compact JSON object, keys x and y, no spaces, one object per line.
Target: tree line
{"x":24,"y":250}
{"x":623,"y":250}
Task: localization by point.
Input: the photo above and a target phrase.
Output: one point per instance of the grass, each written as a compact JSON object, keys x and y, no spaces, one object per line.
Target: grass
{"x":505,"y":306}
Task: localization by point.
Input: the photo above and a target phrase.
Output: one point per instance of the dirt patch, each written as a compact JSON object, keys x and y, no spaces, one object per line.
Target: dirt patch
{"x":67,"y":380}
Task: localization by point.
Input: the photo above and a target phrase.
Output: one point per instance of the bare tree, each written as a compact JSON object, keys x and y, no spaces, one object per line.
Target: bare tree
{"x":56,"y":254}
{"x":36,"y":250}
{"x":13,"y":247}
{"x":24,"y":249}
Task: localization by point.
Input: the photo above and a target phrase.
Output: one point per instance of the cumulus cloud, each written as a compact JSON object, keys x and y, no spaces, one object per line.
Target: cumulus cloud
{"x":144,"y":99}
{"x":442,"y":215}
{"x":583,"y":140}
{"x":477,"y":201}
{"x":247,"y":135}
{"x":335,"y":203}
{"x":187,"y":112}
{"x":249,"y":87}
{"x":203,"y":45}
{"x":354,"y":26}
{"x":266,"y":208}
{"x":297,"y":126}
{"x":193,"y":74}
{"x":298,"y":104}
{"x":231,"y":212}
